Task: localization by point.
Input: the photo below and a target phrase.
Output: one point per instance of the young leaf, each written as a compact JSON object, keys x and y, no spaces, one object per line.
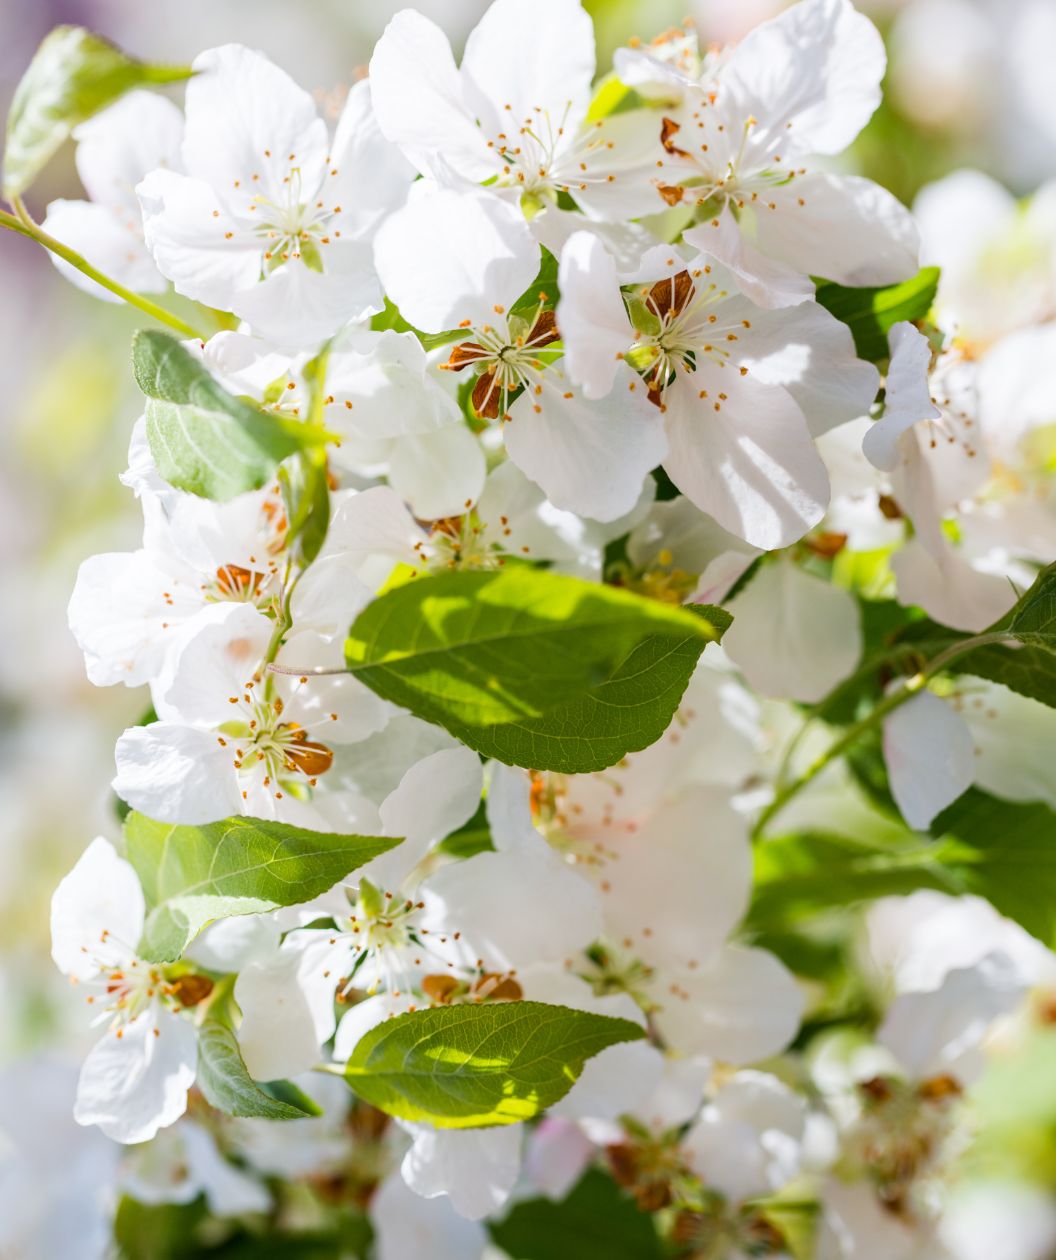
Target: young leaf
{"x":464,"y":1067}
{"x":193,"y":875}
{"x":227,"y":1085}
{"x":532,"y":668}
{"x":597,"y":1221}
{"x":202,"y":438}
{"x":872,"y":313}
{"x":73,"y":75}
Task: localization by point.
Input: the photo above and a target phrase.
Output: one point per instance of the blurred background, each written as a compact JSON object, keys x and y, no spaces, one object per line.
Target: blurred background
{"x":971,"y":83}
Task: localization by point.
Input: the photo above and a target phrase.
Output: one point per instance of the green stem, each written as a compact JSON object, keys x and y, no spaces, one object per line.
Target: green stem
{"x":910,"y":688}
{"x":22,"y":223}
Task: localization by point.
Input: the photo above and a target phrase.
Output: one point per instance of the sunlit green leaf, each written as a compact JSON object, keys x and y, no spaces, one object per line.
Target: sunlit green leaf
{"x":193,"y":875}
{"x":532,"y":668}
{"x":462,"y":1067}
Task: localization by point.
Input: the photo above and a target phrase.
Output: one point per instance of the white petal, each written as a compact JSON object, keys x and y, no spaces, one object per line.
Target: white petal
{"x":434,"y":798}
{"x":930,"y":757}
{"x":279,"y":1036}
{"x":591,"y":315}
{"x":298,"y":306}
{"x":933,"y":1032}
{"x":1014,"y":737}
{"x":743,"y":1008}
{"x":557,"y":1155}
{"x":419,"y":100}
{"x":124,"y":612}
{"x":438,"y":473}
{"x":475,"y":1168}
{"x":247,"y":117}
{"x":176,"y":774}
{"x":407,"y":1225}
{"x":794,"y":636}
{"x":383,"y":387}
{"x":848,"y":229}
{"x":771,"y":284}
{"x":374,"y":530}
{"x":113,"y":245}
{"x":232,"y":944}
{"x":100,"y":897}
{"x":949,"y":589}
{"x":513,"y":909}
{"x":121,"y":144}
{"x":752,"y":465}
{"x":214,"y":660}
{"x":187,"y":230}
{"x":907,"y":396}
{"x":524,"y":63}
{"x":589,"y":457}
{"x":452,"y":257}
{"x":373,"y":175}
{"x":133,"y":1085}
{"x":678,"y":883}
{"x":817,"y":67}
{"x":812,"y":354}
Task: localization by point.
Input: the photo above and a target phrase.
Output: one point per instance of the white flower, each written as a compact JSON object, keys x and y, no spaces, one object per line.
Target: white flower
{"x":748,"y":1138}
{"x":936,"y":748}
{"x":514,"y":114}
{"x":463,"y":261}
{"x":929,"y":440}
{"x":233,"y":739}
{"x":135,"y":1081}
{"x":273,"y":217}
{"x":731,"y":380}
{"x":743,"y":142}
{"x":939,"y":1031}
{"x":672,"y":864}
{"x":115,"y":149}
{"x":128,"y":608}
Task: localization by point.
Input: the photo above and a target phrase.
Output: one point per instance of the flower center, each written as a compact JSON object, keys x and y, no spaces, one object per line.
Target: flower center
{"x":508,"y":358}
{"x":283,"y":750}
{"x":679,"y":322}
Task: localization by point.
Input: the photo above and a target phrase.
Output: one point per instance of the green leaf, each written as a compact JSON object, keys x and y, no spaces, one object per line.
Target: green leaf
{"x":193,"y":875}
{"x":464,"y":1067}
{"x":202,"y":438}
{"x":227,"y":1086}
{"x":532,"y":668}
{"x":984,"y":847}
{"x":1033,"y":620}
{"x":799,"y":875}
{"x":872,"y":313}
{"x":73,"y":75}
{"x":1006,"y":853}
{"x":597,"y":1221}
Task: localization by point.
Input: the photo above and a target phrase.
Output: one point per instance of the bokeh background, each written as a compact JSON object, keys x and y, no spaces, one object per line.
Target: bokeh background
{"x":971,"y":83}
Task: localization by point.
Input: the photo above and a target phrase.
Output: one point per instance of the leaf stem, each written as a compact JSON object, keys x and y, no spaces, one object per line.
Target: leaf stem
{"x":910,"y":688}
{"x":22,"y":222}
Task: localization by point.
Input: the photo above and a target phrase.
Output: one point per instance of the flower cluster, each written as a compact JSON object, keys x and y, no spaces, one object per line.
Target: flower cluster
{"x":640,"y":341}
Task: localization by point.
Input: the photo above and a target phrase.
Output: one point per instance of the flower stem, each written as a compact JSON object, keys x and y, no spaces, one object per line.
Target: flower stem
{"x":910,"y":688}
{"x":22,"y":222}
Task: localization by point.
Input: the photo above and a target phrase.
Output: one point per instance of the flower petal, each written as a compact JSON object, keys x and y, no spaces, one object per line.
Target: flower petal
{"x":930,"y":757}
